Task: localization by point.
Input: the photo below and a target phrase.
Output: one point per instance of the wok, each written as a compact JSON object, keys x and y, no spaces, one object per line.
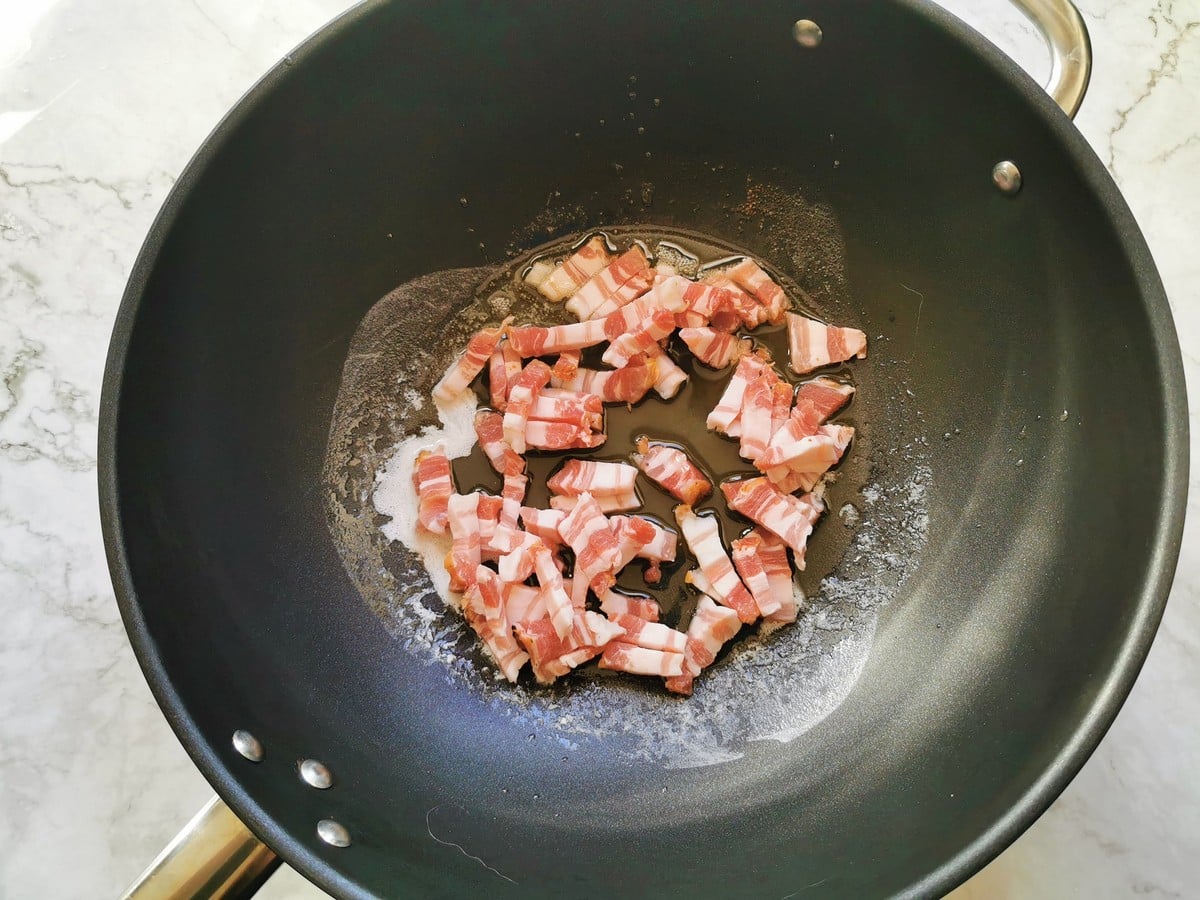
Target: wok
{"x":1023,"y":352}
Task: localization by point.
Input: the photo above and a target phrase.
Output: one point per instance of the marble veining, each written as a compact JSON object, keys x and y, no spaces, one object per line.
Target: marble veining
{"x":101,"y":106}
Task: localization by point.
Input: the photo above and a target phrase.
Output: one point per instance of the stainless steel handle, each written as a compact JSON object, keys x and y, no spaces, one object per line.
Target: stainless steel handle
{"x":214,"y":856}
{"x":1070,"y":49}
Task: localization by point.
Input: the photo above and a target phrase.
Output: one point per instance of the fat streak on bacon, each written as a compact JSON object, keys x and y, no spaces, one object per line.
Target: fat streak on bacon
{"x":565,"y":279}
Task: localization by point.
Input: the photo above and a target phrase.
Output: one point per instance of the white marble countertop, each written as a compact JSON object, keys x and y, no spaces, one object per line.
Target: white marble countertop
{"x":101,"y":106}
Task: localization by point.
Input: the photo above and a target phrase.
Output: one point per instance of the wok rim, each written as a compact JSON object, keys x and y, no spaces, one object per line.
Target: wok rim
{"x":1118,"y":681}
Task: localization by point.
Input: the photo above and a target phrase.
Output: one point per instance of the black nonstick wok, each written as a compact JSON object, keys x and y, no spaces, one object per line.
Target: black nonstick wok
{"x":1021,"y":343}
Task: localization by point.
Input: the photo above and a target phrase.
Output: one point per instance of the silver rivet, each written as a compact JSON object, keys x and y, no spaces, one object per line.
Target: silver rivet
{"x":333,"y":833}
{"x":248,"y":745}
{"x":316,"y":774}
{"x":1006,"y":176}
{"x":807,"y":33}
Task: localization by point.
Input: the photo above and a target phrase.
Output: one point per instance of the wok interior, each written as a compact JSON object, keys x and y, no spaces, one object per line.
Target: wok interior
{"x":998,"y":314}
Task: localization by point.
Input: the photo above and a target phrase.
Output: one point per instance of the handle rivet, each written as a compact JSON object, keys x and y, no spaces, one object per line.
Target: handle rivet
{"x":1006,"y":176}
{"x":333,"y":833}
{"x":248,"y":745}
{"x":316,"y":774}
{"x":807,"y":33}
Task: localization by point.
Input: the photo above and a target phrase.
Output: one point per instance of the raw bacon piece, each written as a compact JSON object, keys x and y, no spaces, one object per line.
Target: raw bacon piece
{"x":791,"y":518}
{"x":434,"y":483}
{"x":710,"y":628}
{"x":524,"y":391}
{"x":503,"y":368}
{"x":670,"y":377}
{"x":607,"y":502}
{"x":658,"y":325}
{"x":522,"y":602}
{"x":464,"y":369}
{"x":713,"y":348}
{"x":781,"y":405}
{"x":593,"y":476}
{"x":639,"y":537}
{"x":543,"y":523}
{"x":812,"y":344}
{"x":585,"y":530}
{"x":707,"y":305}
{"x":670,"y":468}
{"x":746,"y":307}
{"x":751,"y":567}
{"x":818,"y":400}
{"x":535,"y":340}
{"x":640,"y":661}
{"x":729,"y":407}
{"x":650,"y":635}
{"x":552,"y":655}
{"x":541,"y":435}
{"x":489,"y":519}
{"x":814,"y":453}
{"x":625,"y":385}
{"x":773,"y":553}
{"x":566,"y":365}
{"x":517,"y":564}
{"x":506,"y":536}
{"x":614,"y":604}
{"x":489,"y":430}
{"x":483,"y":608}
{"x":758,"y":404}
{"x":749,"y":275}
{"x":464,"y":556}
{"x":704,"y":539}
{"x":572,"y":407}
{"x":558,"y":602}
{"x":625,"y":278}
{"x":574,"y":271}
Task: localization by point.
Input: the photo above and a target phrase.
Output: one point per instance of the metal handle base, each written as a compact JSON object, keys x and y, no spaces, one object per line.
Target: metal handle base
{"x":1070,"y":49}
{"x":214,"y":856}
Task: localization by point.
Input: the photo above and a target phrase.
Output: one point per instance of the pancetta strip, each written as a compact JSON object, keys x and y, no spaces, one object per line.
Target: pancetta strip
{"x":541,"y":435}
{"x":522,"y":602}
{"x":814,"y":453}
{"x":707,"y":306}
{"x":535,"y":340}
{"x":464,"y":556}
{"x":524,"y":391}
{"x":781,"y":405}
{"x":749,"y":275}
{"x":507,"y":536}
{"x":636,"y":660}
{"x":593,"y":476}
{"x":758,"y":403}
{"x":614,"y":604}
{"x":791,"y":518}
{"x":566,"y":366}
{"x":489,"y":522}
{"x":543,"y":523}
{"x":745,"y":306}
{"x":752,"y":569}
{"x":646,"y":335}
{"x":586,"y":531}
{"x":773,"y":553}
{"x":625,"y":278}
{"x":817,"y":401}
{"x":483,"y":608}
{"x":489,"y":430}
{"x":625,"y":385}
{"x":608,"y":503}
{"x":573,"y":272}
{"x":433,"y":481}
{"x":558,"y":602}
{"x":517,"y":564}
{"x":672,"y":470}
{"x":670,"y":377}
{"x":704,"y":539}
{"x":713,"y":348}
{"x":552,"y":655}
{"x":572,"y":407}
{"x":464,"y":369}
{"x":651,"y":635}
{"x":729,"y":407}
{"x":711,"y":627}
{"x":812,"y":344}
